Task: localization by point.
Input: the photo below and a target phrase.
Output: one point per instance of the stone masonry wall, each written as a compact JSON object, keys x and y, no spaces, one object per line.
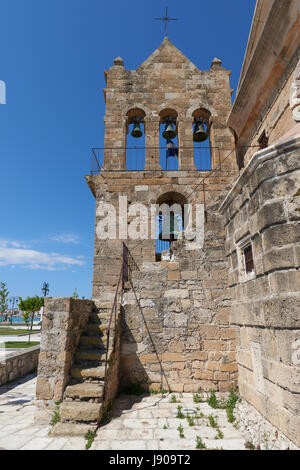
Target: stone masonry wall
{"x":18,"y":364}
{"x":278,"y":120}
{"x":176,"y":331}
{"x":64,"y":320}
{"x":263,"y":208}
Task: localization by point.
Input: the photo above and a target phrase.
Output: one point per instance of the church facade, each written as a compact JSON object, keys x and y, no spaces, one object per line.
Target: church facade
{"x":215,"y":303}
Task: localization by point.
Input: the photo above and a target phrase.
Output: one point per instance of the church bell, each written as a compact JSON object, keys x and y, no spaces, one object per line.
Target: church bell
{"x":169,"y":132}
{"x":200,"y":134}
{"x":136,"y":131}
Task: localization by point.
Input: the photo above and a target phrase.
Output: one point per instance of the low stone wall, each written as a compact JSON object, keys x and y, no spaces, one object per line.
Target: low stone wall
{"x":18,"y":364}
{"x":263,"y":210}
{"x":64,"y":320}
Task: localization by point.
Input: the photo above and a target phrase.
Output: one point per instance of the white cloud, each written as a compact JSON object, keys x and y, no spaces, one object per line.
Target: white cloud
{"x":65,"y":238}
{"x":33,"y":259}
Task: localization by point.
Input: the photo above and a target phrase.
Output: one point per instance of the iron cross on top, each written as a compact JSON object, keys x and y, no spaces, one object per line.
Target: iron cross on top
{"x":166,"y":18}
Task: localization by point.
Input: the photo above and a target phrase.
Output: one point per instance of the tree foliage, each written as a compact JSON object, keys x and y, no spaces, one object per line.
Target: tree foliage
{"x":3,"y":297}
{"x":75,"y":294}
{"x":28,"y":307}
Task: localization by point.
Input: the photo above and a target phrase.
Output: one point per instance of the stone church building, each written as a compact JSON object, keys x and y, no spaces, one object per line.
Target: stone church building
{"x":215,"y":305}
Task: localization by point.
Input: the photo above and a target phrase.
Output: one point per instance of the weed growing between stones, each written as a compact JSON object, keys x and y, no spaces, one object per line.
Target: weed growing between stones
{"x":90,"y":436}
{"x":180,"y":415}
{"x":219,"y":435}
{"x":56,"y":416}
{"x":199,"y":443}
{"x":198,"y":397}
{"x":213,"y":421}
{"x":249,"y":445}
{"x":173,"y":399}
{"x":190,"y":420}
{"x":180,"y":430}
{"x":228,"y":404}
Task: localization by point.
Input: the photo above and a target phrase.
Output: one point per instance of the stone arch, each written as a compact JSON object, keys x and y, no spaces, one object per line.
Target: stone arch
{"x":191,"y":110}
{"x":169,"y":219}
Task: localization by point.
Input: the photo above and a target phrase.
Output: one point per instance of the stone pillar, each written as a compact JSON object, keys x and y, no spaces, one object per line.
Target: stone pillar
{"x":185,"y":143}
{"x":152,"y":143}
{"x":115,"y":144}
{"x":64,"y":320}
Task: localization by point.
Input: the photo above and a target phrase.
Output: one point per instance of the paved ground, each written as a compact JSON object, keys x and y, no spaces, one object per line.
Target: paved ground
{"x":147,"y":422}
{"x":23,"y":426}
{"x":151,"y":423}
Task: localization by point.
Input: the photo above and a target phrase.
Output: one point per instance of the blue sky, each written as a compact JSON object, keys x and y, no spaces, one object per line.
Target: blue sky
{"x":52,"y":57}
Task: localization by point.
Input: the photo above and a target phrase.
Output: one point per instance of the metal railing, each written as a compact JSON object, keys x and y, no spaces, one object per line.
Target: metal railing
{"x":154,"y":158}
{"x":128,"y":264}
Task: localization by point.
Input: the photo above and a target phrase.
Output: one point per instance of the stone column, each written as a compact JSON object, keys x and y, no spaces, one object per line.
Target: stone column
{"x":152,"y":143}
{"x":115,"y":144}
{"x":185,"y":143}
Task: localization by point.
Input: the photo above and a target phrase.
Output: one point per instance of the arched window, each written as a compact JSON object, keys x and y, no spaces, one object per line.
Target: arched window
{"x":201,"y":139}
{"x":169,"y":221}
{"x":168,"y":140}
{"x":135,"y":140}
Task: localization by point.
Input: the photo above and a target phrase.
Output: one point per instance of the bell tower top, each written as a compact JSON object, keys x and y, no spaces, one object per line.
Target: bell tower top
{"x":167,"y":88}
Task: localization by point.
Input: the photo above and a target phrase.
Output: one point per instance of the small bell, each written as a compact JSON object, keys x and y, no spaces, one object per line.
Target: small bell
{"x":170,"y":228}
{"x":200,"y":134}
{"x":169,"y":132}
{"x":136,"y":131}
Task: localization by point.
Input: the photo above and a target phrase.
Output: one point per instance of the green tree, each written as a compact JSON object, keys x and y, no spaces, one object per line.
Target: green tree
{"x":75,"y":294}
{"x":29,"y":306}
{"x":3,"y":299}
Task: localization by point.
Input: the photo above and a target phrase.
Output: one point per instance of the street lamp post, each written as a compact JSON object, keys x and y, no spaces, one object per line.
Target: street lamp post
{"x":45,"y":289}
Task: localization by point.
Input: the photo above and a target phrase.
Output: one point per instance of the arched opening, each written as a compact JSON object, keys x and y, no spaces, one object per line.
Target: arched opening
{"x":201,"y":139}
{"x":135,"y":139}
{"x":168,"y":139}
{"x":169,"y":222}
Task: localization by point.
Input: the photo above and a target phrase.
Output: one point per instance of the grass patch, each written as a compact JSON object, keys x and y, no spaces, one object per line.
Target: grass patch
{"x":18,"y":344}
{"x":90,"y":436}
{"x":14,"y":332}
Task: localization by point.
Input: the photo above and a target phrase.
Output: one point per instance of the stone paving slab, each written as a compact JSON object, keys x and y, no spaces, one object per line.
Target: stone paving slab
{"x":138,"y":423}
{"x":151,"y":423}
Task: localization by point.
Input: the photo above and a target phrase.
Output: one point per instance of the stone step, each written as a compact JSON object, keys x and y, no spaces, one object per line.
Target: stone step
{"x":79,"y":411}
{"x":84,"y":390}
{"x":97,"y":341}
{"x":101,"y":317}
{"x":100,"y":328}
{"x":92,"y":354}
{"x":71,"y":429}
{"x":88,"y":372}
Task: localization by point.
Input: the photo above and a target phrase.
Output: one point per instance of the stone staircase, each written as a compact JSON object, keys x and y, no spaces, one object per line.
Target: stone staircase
{"x":83,"y":403}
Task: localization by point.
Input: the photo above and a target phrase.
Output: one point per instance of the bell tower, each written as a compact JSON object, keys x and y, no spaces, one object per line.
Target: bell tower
{"x":179,"y":112}
{"x":186,"y":157}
